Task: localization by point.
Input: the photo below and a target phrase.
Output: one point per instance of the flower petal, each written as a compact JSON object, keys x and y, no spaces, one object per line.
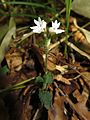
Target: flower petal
{"x":51,"y":30}
{"x":36,"y":22}
{"x":36,"y":29}
{"x":55,"y":26}
{"x":58,"y":31}
{"x":44,"y":24}
{"x":58,"y":24}
{"x":40,"y":26}
{"x":39,"y":19}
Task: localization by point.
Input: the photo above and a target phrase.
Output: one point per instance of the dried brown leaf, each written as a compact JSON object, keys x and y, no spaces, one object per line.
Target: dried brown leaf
{"x":51,"y":64}
{"x":83,"y":36}
{"x":56,"y":112}
{"x":74,"y":117}
{"x":77,"y":95}
{"x":86,"y":76}
{"x":14,"y":60}
{"x":81,"y":106}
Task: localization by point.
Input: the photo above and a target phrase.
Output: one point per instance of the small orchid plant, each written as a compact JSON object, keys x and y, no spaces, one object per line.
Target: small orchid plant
{"x":41,"y":27}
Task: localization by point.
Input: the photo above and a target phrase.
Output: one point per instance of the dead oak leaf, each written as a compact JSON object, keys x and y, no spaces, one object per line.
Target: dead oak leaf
{"x":81,"y":105}
{"x":14,"y":61}
{"x":56,"y":112}
{"x":81,"y":35}
{"x":74,"y":117}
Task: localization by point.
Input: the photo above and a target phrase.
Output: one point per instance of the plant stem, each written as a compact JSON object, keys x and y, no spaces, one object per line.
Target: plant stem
{"x":46,"y":46}
{"x":68,"y":9}
{"x":46,"y":58}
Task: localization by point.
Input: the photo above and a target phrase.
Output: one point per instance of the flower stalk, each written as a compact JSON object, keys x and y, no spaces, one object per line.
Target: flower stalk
{"x":47,"y":44}
{"x":41,"y":27}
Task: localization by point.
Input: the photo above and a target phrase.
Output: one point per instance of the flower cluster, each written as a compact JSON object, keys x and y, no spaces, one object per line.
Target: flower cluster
{"x":41,"y":26}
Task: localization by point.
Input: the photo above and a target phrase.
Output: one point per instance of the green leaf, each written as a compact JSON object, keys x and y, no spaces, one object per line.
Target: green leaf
{"x":39,"y":79}
{"x":45,"y":98}
{"x":48,"y":78}
{"x":33,"y":4}
{"x":7,"y":39}
{"x":3,"y":31}
{"x":4,"y":70}
{"x":68,"y":10}
{"x":12,"y":24}
{"x":16,"y":86}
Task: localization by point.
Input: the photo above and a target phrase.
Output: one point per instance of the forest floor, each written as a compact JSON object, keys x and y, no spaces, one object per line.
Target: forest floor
{"x":22,"y":58}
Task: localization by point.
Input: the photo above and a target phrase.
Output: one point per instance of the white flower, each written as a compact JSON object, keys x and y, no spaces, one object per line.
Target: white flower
{"x":54,"y":28}
{"x":40,"y":26}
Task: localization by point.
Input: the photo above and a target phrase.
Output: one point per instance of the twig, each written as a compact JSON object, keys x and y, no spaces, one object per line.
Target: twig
{"x":70,"y":45}
{"x":77,"y":49}
{"x":35,"y":116}
{"x":57,"y":43}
